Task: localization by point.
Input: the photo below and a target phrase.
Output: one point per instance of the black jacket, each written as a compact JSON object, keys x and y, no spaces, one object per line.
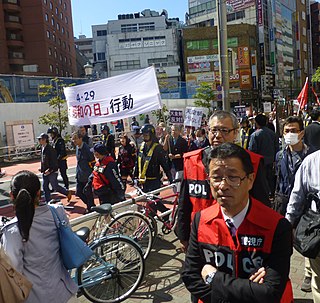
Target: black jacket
{"x":180,"y":147}
{"x":312,"y":135}
{"x":49,"y":159}
{"x":59,"y":145}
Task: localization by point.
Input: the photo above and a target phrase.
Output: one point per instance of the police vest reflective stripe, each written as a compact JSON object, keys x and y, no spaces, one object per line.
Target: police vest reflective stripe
{"x":143,"y":171}
{"x":255,"y":234}
{"x":244,"y":137}
{"x":99,"y":179}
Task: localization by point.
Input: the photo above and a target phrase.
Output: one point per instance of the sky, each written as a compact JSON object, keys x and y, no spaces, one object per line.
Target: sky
{"x":86,"y":13}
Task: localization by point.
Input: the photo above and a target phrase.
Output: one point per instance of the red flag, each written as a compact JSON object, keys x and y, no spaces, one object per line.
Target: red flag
{"x":315,"y":95}
{"x":303,"y":96}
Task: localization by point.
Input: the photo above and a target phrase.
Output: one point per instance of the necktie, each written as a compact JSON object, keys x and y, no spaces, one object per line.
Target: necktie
{"x":232,"y":228}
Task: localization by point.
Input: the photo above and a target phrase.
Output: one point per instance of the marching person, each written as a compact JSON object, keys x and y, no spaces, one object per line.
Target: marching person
{"x":150,"y":157}
{"x":126,"y":160}
{"x":245,"y":132}
{"x":85,"y":137}
{"x":31,"y":241}
{"x":59,"y":145}
{"x":239,"y":249}
{"x":105,"y":178}
{"x":85,"y":162}
{"x":201,"y":138}
{"x":108,"y":140}
{"x":49,"y":169}
{"x":195,"y":192}
{"x":306,"y":181}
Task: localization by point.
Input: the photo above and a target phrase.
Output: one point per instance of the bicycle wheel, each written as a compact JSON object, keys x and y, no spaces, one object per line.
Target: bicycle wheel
{"x":136,"y":226}
{"x":114,"y":272}
{"x":154,"y":225}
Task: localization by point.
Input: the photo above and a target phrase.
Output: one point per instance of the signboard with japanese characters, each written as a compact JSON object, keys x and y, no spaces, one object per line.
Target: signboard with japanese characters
{"x":113,"y":98}
{"x":23,"y":135}
{"x":267,"y":107}
{"x":193,"y":116}
{"x":176,"y":116}
{"x":240,"y":111}
{"x":243,"y":56}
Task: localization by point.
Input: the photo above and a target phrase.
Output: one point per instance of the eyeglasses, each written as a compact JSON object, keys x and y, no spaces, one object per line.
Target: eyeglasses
{"x":222,"y":131}
{"x":233,"y":181}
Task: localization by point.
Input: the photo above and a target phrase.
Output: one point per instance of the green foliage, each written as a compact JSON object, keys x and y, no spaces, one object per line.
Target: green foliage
{"x":204,"y":96}
{"x":59,"y":115}
{"x":316,"y":76}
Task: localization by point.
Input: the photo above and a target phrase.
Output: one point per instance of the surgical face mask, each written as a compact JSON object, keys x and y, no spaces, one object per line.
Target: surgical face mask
{"x":291,"y":138}
{"x":200,"y":139}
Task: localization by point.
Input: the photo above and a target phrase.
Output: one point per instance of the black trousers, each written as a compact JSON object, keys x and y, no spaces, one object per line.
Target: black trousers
{"x":63,"y":172}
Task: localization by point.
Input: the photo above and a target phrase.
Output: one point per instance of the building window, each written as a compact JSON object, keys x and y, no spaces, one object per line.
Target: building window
{"x":55,"y":54}
{"x":303,"y":1}
{"x":303,"y":15}
{"x":64,"y":45}
{"x":62,"y":30}
{"x":68,"y":47}
{"x":125,"y":65}
{"x":51,"y":6}
{"x":46,"y":17}
{"x":199,"y":44}
{"x":60,"y":57}
{"x":57,"y":71}
{"x":59,"y":41}
{"x":51,"y":68}
{"x":54,"y":37}
{"x":65,"y":6}
{"x":48,"y":34}
{"x":304,"y":31}
{"x":49,"y":51}
{"x":52,"y":21}
{"x":101,"y":56}
{"x":65,"y":59}
{"x":102,"y":33}
{"x":147,"y":26}
{"x":61,"y":16}
{"x":57,"y":12}
{"x":67,"y":74}
{"x":58,"y":26}
{"x":66,"y":19}
{"x":68,"y":34}
{"x":45,"y":1}
{"x":127,"y":28}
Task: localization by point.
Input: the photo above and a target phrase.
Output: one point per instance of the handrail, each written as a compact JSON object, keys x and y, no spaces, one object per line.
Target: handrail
{"x":85,"y":219}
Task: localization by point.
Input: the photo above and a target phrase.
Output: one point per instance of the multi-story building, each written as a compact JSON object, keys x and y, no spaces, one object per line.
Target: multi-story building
{"x":36,"y":38}
{"x":281,"y":35}
{"x":315,"y":29}
{"x":84,"y":45}
{"x":201,"y":60}
{"x":136,"y":41}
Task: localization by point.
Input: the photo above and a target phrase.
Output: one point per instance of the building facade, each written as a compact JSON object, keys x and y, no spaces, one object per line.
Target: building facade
{"x":281,"y":35}
{"x":136,"y":41}
{"x":315,"y":30}
{"x":36,"y":38}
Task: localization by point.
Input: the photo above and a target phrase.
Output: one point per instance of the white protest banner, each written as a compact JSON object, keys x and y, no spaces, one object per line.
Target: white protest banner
{"x":267,"y":107}
{"x":193,"y":116}
{"x":113,"y":98}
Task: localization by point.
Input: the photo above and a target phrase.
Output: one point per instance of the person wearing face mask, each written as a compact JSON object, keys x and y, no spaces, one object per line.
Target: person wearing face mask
{"x":201,"y":140}
{"x":288,"y":161}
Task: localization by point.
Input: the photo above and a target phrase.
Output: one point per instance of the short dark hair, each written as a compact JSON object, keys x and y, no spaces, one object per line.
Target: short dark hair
{"x":78,"y":134}
{"x":261,"y":120}
{"x":315,"y":114}
{"x":231,"y":150}
{"x":294,"y":119}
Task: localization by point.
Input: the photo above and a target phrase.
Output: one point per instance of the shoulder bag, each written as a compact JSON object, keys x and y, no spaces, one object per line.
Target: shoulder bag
{"x":74,"y":251}
{"x":14,"y":286}
{"x":307,"y":234}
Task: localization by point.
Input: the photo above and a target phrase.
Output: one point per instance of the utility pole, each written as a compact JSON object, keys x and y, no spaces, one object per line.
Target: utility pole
{"x":223,"y":52}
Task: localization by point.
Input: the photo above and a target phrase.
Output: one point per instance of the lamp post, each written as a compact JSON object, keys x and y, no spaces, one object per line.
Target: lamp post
{"x":88,"y":69}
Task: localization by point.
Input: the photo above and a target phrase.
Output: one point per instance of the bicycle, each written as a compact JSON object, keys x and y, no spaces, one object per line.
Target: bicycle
{"x":150,"y":209}
{"x":113,"y":272}
{"x":130,"y":223}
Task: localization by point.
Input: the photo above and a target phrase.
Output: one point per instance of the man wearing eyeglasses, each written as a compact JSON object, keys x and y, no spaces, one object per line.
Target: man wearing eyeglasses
{"x":239,"y":249}
{"x":195,"y":192}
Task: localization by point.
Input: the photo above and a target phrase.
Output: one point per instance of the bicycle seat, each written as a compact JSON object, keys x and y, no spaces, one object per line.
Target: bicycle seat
{"x":104,"y":209}
{"x":83,"y":233}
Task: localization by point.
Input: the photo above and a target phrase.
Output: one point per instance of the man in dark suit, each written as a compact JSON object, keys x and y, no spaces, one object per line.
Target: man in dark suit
{"x":312,"y":131}
{"x":49,"y":169}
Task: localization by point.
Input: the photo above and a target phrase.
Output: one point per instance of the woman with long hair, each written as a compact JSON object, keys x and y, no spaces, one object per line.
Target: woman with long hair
{"x":31,"y":242}
{"x":127,"y":156}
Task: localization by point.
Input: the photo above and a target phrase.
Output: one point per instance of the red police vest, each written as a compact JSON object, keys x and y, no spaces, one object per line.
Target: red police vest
{"x":99,"y":179}
{"x":254,"y":237}
{"x":196,"y":177}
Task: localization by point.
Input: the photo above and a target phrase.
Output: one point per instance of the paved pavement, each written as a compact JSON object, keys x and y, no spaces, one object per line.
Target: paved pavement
{"x":162,"y":281}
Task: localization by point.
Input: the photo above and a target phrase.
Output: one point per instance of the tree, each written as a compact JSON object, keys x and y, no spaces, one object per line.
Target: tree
{"x":316,"y":76}
{"x":204,"y":95}
{"x":59,"y":115}
{"x":161,"y":114}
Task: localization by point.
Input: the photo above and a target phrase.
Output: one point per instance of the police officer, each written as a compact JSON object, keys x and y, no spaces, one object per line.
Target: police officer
{"x":245,"y":132}
{"x":105,"y":178}
{"x":150,"y":157}
{"x":108,"y":140}
{"x":59,"y":145}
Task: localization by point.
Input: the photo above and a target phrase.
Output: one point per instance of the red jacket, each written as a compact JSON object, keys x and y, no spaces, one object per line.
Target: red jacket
{"x":260,"y":241}
{"x":99,"y":179}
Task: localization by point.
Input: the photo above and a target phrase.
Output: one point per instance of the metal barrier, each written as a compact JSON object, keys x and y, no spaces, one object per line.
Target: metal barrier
{"x":89,"y":219}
